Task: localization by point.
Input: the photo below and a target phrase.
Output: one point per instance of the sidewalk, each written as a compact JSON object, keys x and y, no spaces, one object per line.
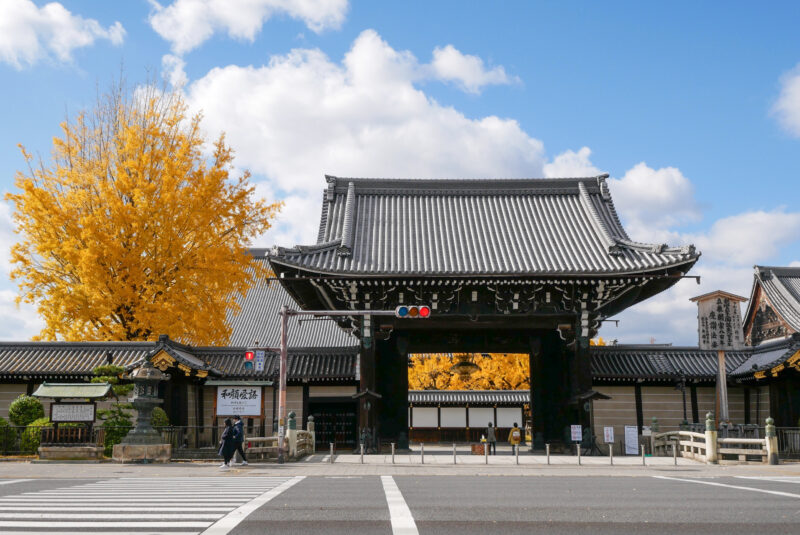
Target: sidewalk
{"x":438,"y":464}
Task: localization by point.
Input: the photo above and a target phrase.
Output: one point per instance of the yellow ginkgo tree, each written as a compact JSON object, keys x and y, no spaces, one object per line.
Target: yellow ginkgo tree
{"x":135,"y":227}
{"x":497,"y":371}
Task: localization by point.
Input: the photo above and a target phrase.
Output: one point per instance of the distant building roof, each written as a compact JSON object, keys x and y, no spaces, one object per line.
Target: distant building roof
{"x":626,"y":362}
{"x":782,"y":288}
{"x":259,"y":320}
{"x":471,"y":397}
{"x":475,"y":227}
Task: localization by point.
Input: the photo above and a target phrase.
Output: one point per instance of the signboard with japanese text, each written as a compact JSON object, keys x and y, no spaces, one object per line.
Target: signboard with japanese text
{"x":72,"y":412}
{"x":261,"y":357}
{"x":608,"y":435}
{"x":719,"y":323}
{"x":576,"y":432}
{"x":239,"y":400}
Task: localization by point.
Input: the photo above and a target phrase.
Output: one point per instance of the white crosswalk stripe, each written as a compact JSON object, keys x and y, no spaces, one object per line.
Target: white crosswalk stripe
{"x":175,"y":506}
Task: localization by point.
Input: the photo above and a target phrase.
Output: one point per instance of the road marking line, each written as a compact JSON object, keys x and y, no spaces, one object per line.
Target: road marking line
{"x":118,"y":516}
{"x":399,"y":513}
{"x":35,"y":524}
{"x":10,"y":481}
{"x":144,"y":509}
{"x":101,"y":532}
{"x":225,"y":525}
{"x":775,"y":492}
{"x":778,"y":479}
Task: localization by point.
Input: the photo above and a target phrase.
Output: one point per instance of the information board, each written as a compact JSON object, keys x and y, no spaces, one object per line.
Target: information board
{"x":72,"y":412}
{"x":608,"y":435}
{"x":577,"y":434}
{"x":239,"y":400}
{"x":261,"y":357}
{"x":631,"y":440}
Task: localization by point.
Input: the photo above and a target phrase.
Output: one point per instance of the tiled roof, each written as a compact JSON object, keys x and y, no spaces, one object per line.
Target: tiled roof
{"x":782,"y":287}
{"x":624,"y":362}
{"x":312,"y":364}
{"x":259,"y":320}
{"x":473,"y":397}
{"x":61,"y":359}
{"x":475,"y":227}
{"x":766,"y":356}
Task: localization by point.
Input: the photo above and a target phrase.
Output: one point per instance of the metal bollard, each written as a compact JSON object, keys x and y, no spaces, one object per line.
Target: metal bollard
{"x":422,"y":453}
{"x":611,"y":454}
{"x":454,"y":453}
{"x":392,"y":452}
{"x":331,"y":457}
{"x":675,"y":452}
{"x":486,"y":453}
{"x":362,"y":453}
{"x":547,"y":450}
{"x":578,"y":448}
{"x":516,"y":453}
{"x":643,"y":463}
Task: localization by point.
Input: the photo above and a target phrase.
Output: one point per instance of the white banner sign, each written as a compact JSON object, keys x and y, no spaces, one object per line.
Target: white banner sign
{"x":608,"y":435}
{"x":577,"y":434}
{"x":239,"y":400}
{"x":631,"y":440}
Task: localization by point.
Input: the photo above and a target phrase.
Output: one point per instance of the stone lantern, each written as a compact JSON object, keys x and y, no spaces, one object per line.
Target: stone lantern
{"x":143,"y":443}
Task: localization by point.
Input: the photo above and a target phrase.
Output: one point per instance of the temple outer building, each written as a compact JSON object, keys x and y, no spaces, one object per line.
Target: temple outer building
{"x":530,"y":266}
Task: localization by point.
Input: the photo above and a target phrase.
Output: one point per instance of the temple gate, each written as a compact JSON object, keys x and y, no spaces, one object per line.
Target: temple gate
{"x":508,"y":266}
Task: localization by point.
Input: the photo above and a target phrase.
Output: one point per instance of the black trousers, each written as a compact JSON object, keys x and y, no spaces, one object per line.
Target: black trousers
{"x":492,"y":448}
{"x":241,"y":451}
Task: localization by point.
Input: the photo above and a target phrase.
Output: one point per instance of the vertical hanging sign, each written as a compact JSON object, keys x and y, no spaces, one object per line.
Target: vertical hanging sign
{"x":261,"y":357}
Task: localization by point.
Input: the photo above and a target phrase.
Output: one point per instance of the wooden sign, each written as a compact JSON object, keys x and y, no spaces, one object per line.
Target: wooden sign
{"x":719,"y":321}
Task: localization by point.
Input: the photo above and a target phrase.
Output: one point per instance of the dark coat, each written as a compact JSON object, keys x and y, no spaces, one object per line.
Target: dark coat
{"x":238,"y":432}
{"x":227,"y":445}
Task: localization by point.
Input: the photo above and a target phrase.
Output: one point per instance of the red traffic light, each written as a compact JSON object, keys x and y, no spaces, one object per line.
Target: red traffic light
{"x":412,"y":311}
{"x":249,"y":355}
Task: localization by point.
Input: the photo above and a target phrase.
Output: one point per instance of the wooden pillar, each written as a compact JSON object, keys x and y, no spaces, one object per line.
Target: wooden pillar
{"x":637,"y":392}
{"x":695,"y":411}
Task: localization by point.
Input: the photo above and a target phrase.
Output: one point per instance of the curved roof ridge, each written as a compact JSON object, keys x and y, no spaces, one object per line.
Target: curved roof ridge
{"x":598,"y":224}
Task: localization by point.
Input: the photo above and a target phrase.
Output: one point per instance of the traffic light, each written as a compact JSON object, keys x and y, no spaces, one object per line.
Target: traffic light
{"x":412,"y":311}
{"x":249,"y":357}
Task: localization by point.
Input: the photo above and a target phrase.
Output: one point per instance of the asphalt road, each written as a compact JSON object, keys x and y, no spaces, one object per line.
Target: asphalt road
{"x":671,"y":503}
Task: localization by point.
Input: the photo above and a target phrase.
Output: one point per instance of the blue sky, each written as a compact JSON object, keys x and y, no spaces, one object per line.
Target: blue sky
{"x":692,"y":107}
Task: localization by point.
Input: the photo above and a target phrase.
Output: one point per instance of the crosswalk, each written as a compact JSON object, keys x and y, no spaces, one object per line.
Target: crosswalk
{"x":153,"y":506}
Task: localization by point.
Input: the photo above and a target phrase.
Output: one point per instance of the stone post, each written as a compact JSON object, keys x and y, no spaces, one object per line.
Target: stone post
{"x":310,"y":429}
{"x":772,"y":442}
{"x":291,"y":434}
{"x":653,"y":431}
{"x":711,"y":440}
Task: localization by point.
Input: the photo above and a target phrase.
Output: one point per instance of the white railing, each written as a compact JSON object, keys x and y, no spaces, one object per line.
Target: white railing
{"x":742,"y":448}
{"x":690,"y":444}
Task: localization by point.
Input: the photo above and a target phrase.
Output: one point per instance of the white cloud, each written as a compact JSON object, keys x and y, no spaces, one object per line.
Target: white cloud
{"x":29,"y":33}
{"x":749,"y":238}
{"x":571,"y":164}
{"x":654,"y":200}
{"x":187,"y":24}
{"x":787,"y":107}
{"x":17,"y":323}
{"x":467,"y":71}
{"x":174,"y":72}
{"x":303,"y":115}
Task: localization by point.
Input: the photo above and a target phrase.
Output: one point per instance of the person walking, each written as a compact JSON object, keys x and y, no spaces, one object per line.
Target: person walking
{"x":514,"y":438}
{"x":491,"y":439}
{"x":238,"y":438}
{"x":226,"y":445}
